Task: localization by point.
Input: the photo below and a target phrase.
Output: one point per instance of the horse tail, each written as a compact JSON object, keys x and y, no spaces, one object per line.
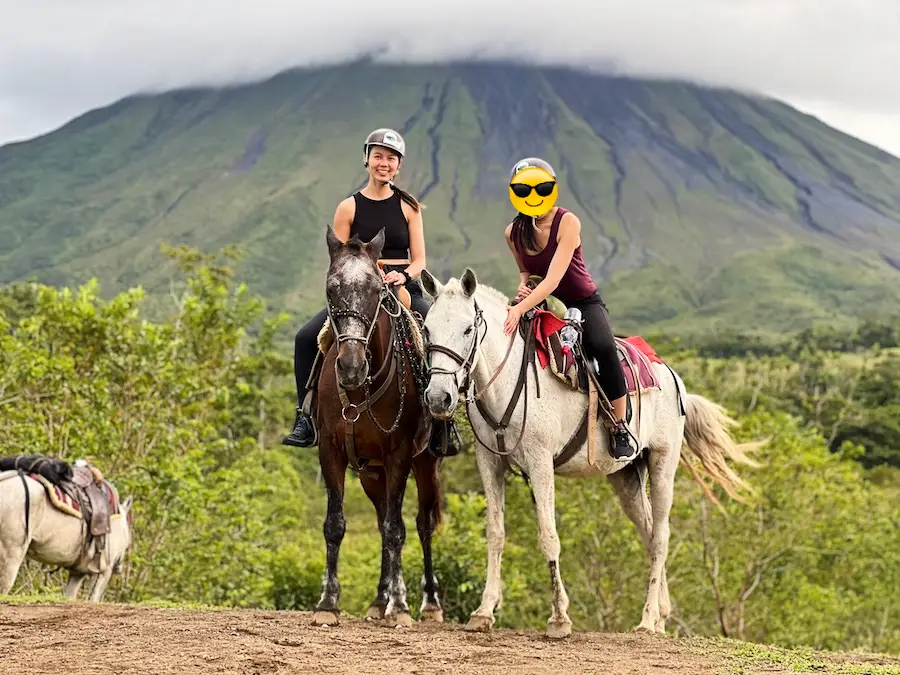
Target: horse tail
{"x":707,"y":437}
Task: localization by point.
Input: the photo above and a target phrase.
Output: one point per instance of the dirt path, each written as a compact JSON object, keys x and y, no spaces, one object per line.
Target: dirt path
{"x":80,"y":639}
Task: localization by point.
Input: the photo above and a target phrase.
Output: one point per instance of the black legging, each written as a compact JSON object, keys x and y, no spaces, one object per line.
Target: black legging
{"x":305,"y":342}
{"x":599,"y":343}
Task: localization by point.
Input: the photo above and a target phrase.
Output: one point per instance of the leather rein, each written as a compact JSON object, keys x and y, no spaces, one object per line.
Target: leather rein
{"x":467,"y":388}
{"x":395,"y":354}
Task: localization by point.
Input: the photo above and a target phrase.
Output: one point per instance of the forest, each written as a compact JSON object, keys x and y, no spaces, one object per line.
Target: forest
{"x":186,"y":415}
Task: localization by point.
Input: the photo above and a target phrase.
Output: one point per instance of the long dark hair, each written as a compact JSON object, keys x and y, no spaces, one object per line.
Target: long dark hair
{"x":408,"y":198}
{"x":523,"y":232}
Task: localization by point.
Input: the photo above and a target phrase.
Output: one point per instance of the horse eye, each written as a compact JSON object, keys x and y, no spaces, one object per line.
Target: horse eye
{"x":469,"y":330}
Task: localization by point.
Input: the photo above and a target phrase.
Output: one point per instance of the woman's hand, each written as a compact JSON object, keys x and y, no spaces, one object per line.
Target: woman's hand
{"x":513,"y":314}
{"x":523,"y":291}
{"x":395,"y":278}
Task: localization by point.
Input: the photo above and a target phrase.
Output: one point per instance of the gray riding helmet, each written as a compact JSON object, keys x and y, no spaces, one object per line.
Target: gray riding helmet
{"x":532,"y":162}
{"x":387,"y":138}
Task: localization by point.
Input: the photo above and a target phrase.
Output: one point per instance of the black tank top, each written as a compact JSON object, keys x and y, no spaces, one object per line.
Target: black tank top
{"x":372,"y":215}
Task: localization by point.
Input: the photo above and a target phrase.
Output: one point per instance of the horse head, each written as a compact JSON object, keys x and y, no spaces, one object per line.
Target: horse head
{"x":452,"y":327}
{"x":353,"y":290}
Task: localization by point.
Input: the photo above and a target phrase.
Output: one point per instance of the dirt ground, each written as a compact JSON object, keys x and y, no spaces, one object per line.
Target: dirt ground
{"x":81,"y":639}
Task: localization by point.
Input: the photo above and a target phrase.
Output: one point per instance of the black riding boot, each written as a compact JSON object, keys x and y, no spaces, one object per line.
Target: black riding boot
{"x":445,"y":441}
{"x":623,"y":448}
{"x":303,"y":435}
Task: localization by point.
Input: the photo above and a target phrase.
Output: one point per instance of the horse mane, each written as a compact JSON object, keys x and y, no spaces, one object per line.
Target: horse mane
{"x":483,"y":292}
{"x":53,"y":469}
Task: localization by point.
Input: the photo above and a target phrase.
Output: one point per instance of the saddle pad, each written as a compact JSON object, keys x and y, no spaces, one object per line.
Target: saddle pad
{"x":65,"y":503}
{"x":631,"y":353}
{"x":58,"y":498}
{"x":545,"y":324}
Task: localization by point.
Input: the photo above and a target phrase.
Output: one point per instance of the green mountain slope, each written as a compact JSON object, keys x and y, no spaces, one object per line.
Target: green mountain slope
{"x":701,"y":208}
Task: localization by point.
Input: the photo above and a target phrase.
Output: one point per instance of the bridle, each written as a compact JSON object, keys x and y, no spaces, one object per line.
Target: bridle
{"x":394,"y":363}
{"x":466,"y":387}
{"x":335,"y":312}
{"x":465,"y":363}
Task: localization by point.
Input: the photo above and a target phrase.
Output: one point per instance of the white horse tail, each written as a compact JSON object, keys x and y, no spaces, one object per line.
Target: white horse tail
{"x":706,"y":435}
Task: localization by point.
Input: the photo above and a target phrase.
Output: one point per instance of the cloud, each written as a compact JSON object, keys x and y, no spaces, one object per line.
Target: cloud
{"x":59,"y":58}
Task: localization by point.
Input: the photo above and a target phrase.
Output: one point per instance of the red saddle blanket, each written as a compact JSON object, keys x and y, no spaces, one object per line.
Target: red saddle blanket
{"x":640,"y":354}
{"x":632,"y":350}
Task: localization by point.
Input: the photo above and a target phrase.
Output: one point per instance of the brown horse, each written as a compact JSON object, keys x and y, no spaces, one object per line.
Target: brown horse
{"x":371,"y":416}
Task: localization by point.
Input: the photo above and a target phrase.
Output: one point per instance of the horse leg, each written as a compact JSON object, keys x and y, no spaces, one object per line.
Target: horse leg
{"x":542,"y":480}
{"x":629,"y":484}
{"x":373,"y":482}
{"x":11,"y":559}
{"x":662,"y":481}
{"x":428,"y":486}
{"x":333,"y":471}
{"x":394,"y":536}
{"x":73,"y":585}
{"x":492,"y":472}
{"x":99,"y":586}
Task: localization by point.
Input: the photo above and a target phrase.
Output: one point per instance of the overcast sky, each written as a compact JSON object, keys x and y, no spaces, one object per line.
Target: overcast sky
{"x":837,"y":59}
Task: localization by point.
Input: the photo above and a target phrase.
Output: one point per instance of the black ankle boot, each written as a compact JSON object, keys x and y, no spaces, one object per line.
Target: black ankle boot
{"x":303,"y":435}
{"x":445,"y":441}
{"x":623,"y":448}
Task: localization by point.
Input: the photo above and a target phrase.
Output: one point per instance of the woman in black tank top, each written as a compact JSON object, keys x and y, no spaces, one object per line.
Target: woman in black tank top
{"x":380,"y":204}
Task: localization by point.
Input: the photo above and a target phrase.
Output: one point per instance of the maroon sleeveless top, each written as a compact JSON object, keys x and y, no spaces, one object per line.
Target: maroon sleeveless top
{"x":576,"y":283}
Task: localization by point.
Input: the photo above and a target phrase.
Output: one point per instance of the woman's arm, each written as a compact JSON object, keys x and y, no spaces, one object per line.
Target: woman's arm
{"x":417,"y":259}
{"x":568,"y":241}
{"x":343,"y":218}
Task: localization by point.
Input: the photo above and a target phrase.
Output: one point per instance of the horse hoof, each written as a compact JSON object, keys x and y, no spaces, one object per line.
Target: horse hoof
{"x":480,"y":624}
{"x":642,"y":629}
{"x":323,"y":617}
{"x":433,"y":615}
{"x":399,"y":620}
{"x":559,"y":629}
{"x":375,"y":613}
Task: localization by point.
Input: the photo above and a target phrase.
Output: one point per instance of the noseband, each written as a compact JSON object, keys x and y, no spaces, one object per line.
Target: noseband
{"x":465,"y":363}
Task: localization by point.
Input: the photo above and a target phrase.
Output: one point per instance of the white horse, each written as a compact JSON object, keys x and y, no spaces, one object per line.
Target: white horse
{"x":55,"y":538}
{"x":466,"y":321}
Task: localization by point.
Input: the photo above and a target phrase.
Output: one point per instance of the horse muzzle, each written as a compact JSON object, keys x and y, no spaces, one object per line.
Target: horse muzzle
{"x":441,"y":402}
{"x":352,"y":369}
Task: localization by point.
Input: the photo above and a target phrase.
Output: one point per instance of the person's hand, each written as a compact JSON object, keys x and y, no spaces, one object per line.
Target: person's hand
{"x":513,"y":314}
{"x":523,"y":291}
{"x":394,"y":278}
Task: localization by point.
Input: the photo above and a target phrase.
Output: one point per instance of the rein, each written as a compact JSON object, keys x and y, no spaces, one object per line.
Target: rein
{"x":395,"y":362}
{"x":467,"y":364}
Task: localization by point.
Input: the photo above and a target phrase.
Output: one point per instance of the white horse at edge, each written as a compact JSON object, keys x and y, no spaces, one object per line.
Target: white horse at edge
{"x":551,"y":421}
{"x":55,"y":538}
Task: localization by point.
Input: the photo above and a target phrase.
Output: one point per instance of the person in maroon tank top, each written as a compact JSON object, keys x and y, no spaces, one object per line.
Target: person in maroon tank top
{"x":550,"y":246}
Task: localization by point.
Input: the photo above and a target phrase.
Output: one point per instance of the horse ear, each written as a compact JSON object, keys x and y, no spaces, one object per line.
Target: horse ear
{"x":331,"y":239}
{"x":469,"y":282}
{"x":431,"y":285}
{"x":127,"y":502}
{"x":375,"y":246}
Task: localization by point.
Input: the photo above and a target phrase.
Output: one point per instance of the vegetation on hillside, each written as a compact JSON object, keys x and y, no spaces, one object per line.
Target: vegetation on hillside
{"x":702,"y":209}
{"x":186,"y":414}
